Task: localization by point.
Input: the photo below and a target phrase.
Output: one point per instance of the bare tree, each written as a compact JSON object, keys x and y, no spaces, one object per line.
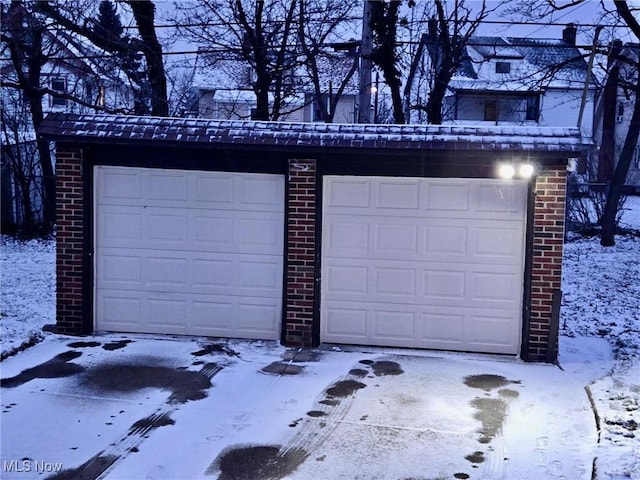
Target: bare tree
{"x":256,"y":33}
{"x":629,"y":16}
{"x":38,"y":55}
{"x":624,"y":14}
{"x":330,"y":66}
{"x":276,"y":49}
{"x":449,"y":30}
{"x":22,"y":186}
{"x":384,"y":22}
{"x":24,"y":36}
{"x":149,"y":80}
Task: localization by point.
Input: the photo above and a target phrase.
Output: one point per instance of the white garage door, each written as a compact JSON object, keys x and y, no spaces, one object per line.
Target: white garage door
{"x":423,"y":263}
{"x":188,"y":252}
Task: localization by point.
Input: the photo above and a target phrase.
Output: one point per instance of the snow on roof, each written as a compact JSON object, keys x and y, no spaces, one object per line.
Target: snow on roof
{"x":540,"y":61}
{"x":162,"y":130}
{"x":459,"y":83}
{"x":494,"y":47}
{"x":223,"y":70}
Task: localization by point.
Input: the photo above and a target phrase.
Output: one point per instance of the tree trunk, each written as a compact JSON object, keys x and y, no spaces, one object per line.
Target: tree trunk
{"x":27,"y":58}
{"x":607,"y":238}
{"x":434,"y":102}
{"x":143,"y":11}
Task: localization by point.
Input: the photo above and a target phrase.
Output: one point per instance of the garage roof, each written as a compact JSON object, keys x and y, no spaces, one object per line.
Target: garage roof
{"x":124,"y":129}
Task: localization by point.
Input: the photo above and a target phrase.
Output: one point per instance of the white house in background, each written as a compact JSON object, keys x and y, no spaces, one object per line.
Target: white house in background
{"x":223,"y":88}
{"x":519,"y":81}
{"x":73,"y":68}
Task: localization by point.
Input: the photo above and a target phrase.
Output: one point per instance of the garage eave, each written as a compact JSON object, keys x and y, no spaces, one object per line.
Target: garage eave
{"x":550,"y":142}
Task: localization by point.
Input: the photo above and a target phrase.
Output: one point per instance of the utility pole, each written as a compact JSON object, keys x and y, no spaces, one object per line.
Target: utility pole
{"x":366,"y":45}
{"x":587,"y":81}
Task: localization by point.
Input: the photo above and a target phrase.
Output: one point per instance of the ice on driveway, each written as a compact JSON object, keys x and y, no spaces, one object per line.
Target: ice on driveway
{"x":347,"y":414}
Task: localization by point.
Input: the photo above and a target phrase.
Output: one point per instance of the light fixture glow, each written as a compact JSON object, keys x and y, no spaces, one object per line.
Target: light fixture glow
{"x":525,"y":170}
{"x":506,"y":171}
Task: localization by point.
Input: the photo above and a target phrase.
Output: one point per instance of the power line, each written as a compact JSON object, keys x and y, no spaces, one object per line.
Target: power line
{"x":238,"y":50}
{"x":512,"y":23}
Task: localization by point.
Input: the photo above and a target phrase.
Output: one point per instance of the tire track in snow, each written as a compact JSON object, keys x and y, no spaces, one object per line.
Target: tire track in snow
{"x":99,"y":466}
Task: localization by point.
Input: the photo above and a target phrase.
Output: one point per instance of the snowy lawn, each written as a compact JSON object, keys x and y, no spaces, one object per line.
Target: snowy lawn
{"x":599,"y":347}
{"x":27,"y":291}
{"x":601,"y":299}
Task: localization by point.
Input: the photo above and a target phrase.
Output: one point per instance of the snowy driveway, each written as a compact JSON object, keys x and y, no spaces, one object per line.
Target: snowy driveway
{"x":139,"y":407}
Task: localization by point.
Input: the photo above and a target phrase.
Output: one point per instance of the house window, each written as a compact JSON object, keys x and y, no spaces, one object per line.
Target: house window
{"x":491,"y":111}
{"x":503,"y":67}
{"x":620,"y":112}
{"x":317,"y":111}
{"x":101,"y":97}
{"x":58,"y":85}
{"x":247,"y":77}
{"x":533,"y":108}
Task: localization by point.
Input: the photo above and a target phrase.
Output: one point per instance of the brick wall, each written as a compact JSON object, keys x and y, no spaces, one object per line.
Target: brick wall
{"x":548,"y":238}
{"x":301,"y":251}
{"x":70,"y":241}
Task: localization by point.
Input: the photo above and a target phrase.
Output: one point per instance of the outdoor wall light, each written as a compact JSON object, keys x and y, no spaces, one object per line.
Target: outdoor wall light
{"x":509,"y":170}
{"x":525,"y":170}
{"x":506,"y":171}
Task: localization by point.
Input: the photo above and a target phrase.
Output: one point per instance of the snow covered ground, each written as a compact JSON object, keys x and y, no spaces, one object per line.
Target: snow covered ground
{"x":599,"y":346}
{"x":601,"y":299}
{"x":27,"y":291}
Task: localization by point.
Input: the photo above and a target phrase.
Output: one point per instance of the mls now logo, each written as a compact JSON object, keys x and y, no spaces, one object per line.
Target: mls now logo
{"x":27,"y":465}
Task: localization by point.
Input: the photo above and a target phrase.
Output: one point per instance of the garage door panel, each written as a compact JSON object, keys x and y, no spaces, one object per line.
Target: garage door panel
{"x":208,"y":274}
{"x":346,"y":320}
{"x":259,"y":234}
{"x":492,"y":331}
{"x":190,"y":252}
{"x":447,"y":197}
{"x":394,"y":326}
{"x":166,"y":315}
{"x":354,"y":193}
{"x":118,"y":187}
{"x":257,"y":320}
{"x":213,"y":232}
{"x":120,"y":309}
{"x":444,"y":284}
{"x":495,"y":286}
{"x":396,"y":282}
{"x":446,"y":330}
{"x":400,"y":276}
{"x":347,"y":236}
{"x":395,"y":239}
{"x":115,"y":225}
{"x":446,"y":239}
{"x":213,"y":189}
{"x":497,"y":241}
{"x":166,"y":272}
{"x":261,"y":192}
{"x":505,"y":200}
{"x":258,"y":275}
{"x":347,"y":279}
{"x":167,"y":187}
{"x":165,"y":230}
{"x":213,"y":316}
{"x":398,"y":195}
{"x":120,"y":268}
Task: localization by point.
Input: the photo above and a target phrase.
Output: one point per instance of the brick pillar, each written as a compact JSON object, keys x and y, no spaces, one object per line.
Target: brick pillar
{"x":548,"y":239}
{"x":69,"y":240}
{"x":301,"y":251}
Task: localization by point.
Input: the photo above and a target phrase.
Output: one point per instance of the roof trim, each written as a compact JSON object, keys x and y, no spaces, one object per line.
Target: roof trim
{"x":158,"y":131}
